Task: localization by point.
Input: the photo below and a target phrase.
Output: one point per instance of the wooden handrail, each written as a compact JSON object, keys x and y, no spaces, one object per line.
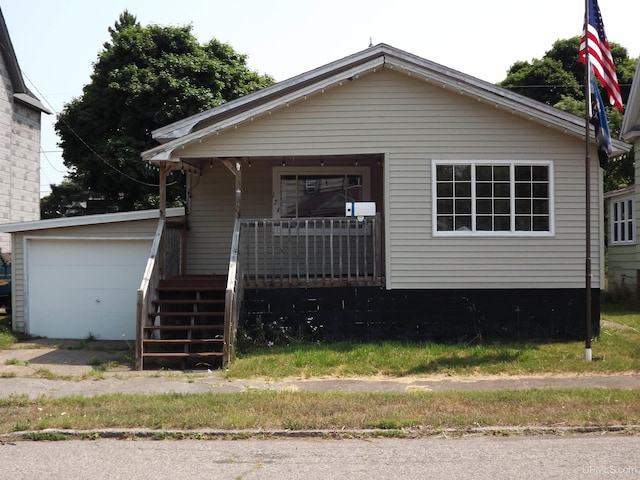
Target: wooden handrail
{"x":150,"y":278}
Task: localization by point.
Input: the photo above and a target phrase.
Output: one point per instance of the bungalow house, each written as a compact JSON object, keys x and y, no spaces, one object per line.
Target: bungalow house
{"x":623,"y":250}
{"x":384,"y":196}
{"x":381,"y":196}
{"x":20,"y":114}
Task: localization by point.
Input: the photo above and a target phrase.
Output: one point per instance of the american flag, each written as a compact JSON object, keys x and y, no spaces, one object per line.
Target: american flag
{"x":600,"y":54}
{"x":600,"y":124}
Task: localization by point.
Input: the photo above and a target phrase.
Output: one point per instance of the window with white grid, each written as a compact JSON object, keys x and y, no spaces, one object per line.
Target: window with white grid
{"x":492,"y":198}
{"x":622,"y":219}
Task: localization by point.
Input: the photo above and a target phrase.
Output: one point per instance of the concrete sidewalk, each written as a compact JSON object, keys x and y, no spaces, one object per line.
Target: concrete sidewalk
{"x":157,"y":383}
{"x":74,"y":371}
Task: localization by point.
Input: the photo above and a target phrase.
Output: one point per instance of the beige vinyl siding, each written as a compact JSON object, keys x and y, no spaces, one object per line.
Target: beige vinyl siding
{"x":419,"y":260}
{"x":211,"y":217}
{"x":134,"y":229}
{"x":212,"y":212}
{"x":414,"y":122}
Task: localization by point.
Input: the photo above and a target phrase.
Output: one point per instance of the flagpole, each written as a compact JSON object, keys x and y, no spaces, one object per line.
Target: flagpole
{"x":587,"y":186}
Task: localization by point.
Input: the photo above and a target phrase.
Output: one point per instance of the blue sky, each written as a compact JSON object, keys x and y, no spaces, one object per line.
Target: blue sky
{"x":57,"y":41}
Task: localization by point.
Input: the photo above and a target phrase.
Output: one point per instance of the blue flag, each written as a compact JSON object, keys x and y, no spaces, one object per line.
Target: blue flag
{"x":599,"y":122}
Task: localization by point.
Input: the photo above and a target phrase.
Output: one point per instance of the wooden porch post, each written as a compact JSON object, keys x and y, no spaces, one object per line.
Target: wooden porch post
{"x":236,"y":170}
{"x":238,"y":187}
{"x":235,"y":279}
{"x":165,"y":168}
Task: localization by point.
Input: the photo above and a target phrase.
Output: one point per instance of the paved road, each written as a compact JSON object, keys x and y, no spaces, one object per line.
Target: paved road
{"x":486,"y":457}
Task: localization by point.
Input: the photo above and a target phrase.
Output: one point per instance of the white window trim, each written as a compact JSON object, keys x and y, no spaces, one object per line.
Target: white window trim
{"x":277,"y":172}
{"x":612,"y":204}
{"x":512,"y":233}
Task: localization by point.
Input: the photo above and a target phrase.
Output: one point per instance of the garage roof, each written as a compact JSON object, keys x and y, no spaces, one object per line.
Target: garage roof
{"x":89,"y":220}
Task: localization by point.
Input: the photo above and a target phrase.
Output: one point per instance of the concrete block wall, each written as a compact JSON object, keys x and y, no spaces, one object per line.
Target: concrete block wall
{"x":19,"y":159}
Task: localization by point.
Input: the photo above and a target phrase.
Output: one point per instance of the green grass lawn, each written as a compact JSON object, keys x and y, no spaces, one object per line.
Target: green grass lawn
{"x":617,"y":349}
{"x":428,"y":412}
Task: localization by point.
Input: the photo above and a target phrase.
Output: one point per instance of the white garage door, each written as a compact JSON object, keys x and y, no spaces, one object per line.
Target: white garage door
{"x":77,"y":288}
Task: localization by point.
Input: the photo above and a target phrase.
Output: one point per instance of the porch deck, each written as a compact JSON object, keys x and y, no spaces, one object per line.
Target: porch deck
{"x":196,"y":316}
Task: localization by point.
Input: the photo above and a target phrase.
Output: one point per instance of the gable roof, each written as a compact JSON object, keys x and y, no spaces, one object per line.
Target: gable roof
{"x":20,"y":91}
{"x":229,"y":115}
{"x":631,"y":120}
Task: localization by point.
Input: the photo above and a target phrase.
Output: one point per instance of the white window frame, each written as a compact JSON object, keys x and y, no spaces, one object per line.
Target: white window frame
{"x":484,"y":233}
{"x":622,"y":205}
{"x":278,"y":172}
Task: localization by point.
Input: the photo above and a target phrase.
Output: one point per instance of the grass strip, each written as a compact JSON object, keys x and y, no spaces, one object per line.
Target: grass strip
{"x":617,"y":349}
{"x":271,"y":410}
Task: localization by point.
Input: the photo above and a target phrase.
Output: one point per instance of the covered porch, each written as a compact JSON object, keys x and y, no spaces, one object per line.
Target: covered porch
{"x":291,"y":248}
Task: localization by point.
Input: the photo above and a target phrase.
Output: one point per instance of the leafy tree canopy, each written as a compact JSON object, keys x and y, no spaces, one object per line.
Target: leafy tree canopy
{"x":66,"y":199}
{"x":144,"y":78}
{"x":558,"y":80}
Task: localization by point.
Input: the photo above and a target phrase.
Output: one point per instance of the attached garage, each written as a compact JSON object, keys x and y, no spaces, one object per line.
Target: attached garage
{"x":77,"y":277}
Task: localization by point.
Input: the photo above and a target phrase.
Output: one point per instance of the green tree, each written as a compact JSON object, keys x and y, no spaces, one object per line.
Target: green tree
{"x":144,"y":78}
{"x":66,"y":199}
{"x":544,"y":80}
{"x":558,"y":80}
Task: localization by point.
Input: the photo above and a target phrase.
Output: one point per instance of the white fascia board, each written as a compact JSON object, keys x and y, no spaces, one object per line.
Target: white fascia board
{"x":493,"y":95}
{"x":630,"y":122}
{"x":496,"y":96}
{"x":622,"y":192}
{"x":167,"y":152}
{"x":89,"y":220}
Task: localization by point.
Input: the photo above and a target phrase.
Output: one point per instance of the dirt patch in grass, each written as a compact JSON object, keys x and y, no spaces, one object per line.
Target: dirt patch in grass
{"x":65,"y":358}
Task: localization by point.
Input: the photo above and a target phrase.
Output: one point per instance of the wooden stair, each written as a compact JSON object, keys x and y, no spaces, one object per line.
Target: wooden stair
{"x":187,"y":324}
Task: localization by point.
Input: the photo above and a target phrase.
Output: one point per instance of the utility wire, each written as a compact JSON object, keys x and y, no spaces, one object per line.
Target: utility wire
{"x":44,"y":153}
{"x":126,"y":175}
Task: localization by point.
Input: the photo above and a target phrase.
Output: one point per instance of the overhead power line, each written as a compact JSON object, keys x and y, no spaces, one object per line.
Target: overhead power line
{"x":100,"y":157}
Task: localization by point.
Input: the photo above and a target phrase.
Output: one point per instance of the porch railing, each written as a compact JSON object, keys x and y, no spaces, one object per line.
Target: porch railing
{"x":165,"y":260}
{"x":311,"y":252}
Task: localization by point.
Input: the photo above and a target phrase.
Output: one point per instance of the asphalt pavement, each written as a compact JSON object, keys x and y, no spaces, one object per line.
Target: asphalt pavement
{"x":479,"y":458}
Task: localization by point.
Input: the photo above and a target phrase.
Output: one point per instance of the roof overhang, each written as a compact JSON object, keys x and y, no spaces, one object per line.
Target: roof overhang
{"x":85,"y":220}
{"x":630,"y":129}
{"x":231,"y":115}
{"x":31,"y":101}
{"x":622,"y":192}
{"x":20,"y":91}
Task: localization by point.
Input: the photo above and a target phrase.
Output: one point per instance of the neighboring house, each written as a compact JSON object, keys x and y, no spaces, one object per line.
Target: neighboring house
{"x":20,"y":113}
{"x":623,"y":249}
{"x":381,"y":196}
